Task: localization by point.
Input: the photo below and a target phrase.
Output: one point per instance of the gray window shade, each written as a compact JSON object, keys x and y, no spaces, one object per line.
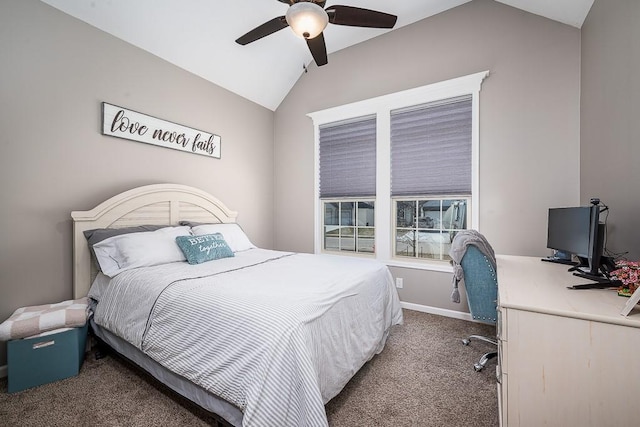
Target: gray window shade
{"x":431,"y":148}
{"x":348,"y":158}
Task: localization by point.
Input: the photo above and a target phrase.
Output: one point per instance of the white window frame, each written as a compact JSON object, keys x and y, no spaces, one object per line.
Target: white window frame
{"x":382,"y":106}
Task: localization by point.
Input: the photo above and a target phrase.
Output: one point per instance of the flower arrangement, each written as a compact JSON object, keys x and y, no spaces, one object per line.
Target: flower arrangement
{"x":628,"y":272}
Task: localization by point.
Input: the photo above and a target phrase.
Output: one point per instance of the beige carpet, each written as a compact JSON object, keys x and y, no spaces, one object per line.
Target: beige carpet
{"x":424,"y":377}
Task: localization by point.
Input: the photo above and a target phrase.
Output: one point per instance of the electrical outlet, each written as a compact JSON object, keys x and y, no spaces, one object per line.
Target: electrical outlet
{"x":399,"y":283}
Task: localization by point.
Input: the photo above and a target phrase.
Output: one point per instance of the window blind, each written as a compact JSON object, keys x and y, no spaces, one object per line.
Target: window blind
{"x":348,"y":158}
{"x":431,"y":148}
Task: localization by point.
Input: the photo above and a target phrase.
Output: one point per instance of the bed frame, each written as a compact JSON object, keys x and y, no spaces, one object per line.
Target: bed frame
{"x":157,"y":204}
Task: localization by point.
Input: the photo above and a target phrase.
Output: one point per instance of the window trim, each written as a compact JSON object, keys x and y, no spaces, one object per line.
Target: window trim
{"x":382,"y":106}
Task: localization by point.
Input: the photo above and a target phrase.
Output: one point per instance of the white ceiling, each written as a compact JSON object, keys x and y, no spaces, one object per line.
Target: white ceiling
{"x":199,"y":35}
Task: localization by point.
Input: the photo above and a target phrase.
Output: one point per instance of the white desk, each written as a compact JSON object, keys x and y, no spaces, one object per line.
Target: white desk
{"x":566,"y":357}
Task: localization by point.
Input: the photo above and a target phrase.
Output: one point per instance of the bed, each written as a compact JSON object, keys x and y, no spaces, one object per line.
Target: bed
{"x":258,"y":337}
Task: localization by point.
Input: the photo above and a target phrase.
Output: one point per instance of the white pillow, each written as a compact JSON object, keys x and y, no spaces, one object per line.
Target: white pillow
{"x":233,"y":235}
{"x":124,"y":252}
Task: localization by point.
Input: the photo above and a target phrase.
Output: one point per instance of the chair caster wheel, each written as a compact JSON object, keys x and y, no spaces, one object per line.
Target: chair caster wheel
{"x":478,"y":367}
{"x":466,"y":341}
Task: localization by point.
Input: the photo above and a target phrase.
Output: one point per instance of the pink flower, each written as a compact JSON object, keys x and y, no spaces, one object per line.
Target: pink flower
{"x":627,"y":272}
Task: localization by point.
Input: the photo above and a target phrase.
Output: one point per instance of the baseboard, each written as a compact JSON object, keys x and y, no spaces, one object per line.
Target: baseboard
{"x":436,"y":310}
{"x":3,"y":371}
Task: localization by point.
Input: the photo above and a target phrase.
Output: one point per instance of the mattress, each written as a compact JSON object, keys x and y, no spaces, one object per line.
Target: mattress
{"x":275,"y":334}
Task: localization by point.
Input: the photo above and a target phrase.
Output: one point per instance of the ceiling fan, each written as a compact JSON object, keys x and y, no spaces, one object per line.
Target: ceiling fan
{"x":308,"y":18}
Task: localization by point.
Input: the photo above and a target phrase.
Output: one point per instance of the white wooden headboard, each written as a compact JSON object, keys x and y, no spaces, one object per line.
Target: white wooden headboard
{"x":158,"y":204}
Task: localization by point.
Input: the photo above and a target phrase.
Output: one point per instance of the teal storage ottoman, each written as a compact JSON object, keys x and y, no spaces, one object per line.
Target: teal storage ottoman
{"x":44,"y":359}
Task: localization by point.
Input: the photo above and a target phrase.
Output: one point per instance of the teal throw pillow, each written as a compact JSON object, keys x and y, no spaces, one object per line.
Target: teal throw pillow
{"x":199,"y":249}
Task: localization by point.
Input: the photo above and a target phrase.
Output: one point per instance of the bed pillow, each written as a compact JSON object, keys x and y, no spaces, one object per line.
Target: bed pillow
{"x":99,"y":286}
{"x":192,"y":223}
{"x":124,"y":252}
{"x":232,"y":233}
{"x":207,"y":247}
{"x":97,"y":235}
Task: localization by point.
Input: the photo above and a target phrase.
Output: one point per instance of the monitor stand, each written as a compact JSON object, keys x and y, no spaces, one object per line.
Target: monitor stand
{"x":558,"y":260}
{"x":606,"y":283}
{"x":595,"y":277}
{"x":602,"y":280}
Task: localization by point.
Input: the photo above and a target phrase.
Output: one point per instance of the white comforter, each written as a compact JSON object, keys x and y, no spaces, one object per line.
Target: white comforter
{"x":276,"y":334}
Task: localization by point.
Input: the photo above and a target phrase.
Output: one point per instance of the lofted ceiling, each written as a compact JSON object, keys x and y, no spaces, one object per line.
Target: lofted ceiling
{"x":199,"y":35}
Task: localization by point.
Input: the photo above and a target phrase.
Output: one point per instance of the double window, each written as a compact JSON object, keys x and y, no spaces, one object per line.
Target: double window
{"x":396,"y":176}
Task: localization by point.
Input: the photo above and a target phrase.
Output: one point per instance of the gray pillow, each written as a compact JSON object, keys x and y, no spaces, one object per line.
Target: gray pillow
{"x":99,"y":234}
{"x":191,"y":223}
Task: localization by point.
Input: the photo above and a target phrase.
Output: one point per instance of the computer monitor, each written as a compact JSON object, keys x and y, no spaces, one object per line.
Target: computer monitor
{"x":577,"y":230}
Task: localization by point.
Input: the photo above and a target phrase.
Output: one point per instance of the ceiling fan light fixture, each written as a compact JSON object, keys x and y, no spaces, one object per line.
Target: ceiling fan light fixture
{"x":306,"y":19}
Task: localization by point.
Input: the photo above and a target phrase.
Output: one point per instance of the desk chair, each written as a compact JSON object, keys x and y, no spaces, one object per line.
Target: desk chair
{"x":481,"y":284}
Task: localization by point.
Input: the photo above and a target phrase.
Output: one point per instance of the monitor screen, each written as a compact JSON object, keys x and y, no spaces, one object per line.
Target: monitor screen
{"x":578,"y":231}
{"x":569,"y":230}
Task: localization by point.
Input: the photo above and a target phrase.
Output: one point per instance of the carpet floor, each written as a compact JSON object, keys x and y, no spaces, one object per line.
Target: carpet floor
{"x":423,"y":377}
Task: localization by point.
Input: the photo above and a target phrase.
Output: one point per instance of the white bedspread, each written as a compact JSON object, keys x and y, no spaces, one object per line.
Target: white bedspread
{"x":277,"y":334}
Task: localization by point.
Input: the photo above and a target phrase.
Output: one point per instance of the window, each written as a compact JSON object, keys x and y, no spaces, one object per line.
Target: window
{"x":348,"y":184}
{"x":397,"y":175}
{"x":430,"y":156}
{"x":349,"y":226}
{"x":424,"y":229}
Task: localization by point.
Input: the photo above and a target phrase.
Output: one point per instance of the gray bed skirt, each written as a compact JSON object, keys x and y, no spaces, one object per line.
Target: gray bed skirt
{"x":180,"y":385}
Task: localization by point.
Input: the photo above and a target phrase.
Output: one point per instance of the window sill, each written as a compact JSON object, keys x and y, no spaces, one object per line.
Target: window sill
{"x":441,"y":266}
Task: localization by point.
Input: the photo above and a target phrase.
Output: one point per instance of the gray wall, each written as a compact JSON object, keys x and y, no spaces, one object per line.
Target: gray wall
{"x":610,"y":118}
{"x":55,"y":73}
{"x":529,"y":122}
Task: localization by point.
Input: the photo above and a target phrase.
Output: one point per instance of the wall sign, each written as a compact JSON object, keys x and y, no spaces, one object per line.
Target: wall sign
{"x":123,"y":123}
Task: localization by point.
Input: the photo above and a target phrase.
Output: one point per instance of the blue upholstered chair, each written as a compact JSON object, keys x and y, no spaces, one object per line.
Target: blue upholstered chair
{"x":481,"y":284}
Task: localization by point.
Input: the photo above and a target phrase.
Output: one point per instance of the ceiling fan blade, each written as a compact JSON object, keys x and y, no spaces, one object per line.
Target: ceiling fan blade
{"x":318,"y":2}
{"x":318,"y":49}
{"x":357,"y":17}
{"x":269,"y":27}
